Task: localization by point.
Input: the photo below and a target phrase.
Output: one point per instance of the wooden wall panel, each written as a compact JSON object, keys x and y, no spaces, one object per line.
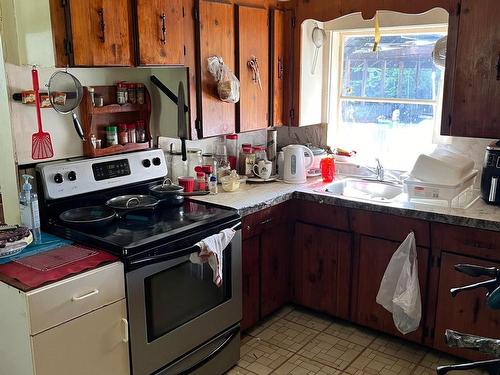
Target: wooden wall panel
{"x":253,"y":41}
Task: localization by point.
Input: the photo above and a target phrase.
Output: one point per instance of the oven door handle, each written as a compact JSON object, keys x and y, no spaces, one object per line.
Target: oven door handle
{"x":174,"y":254}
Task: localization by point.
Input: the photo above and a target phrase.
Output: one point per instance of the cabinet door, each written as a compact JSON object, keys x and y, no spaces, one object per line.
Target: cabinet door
{"x":275,"y":268}
{"x":467,"y":312}
{"x":251,"y":282}
{"x":253,"y":45}
{"x":321,"y":269}
{"x":373,"y":257}
{"x":475,"y":89}
{"x":215,"y":34}
{"x":91,"y":344}
{"x":160,"y":32}
{"x":279,"y":61}
{"x":101,"y":32}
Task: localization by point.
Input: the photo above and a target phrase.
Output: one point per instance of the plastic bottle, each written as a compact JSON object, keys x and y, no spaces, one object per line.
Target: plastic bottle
{"x":28,"y":204}
{"x":212,"y":185}
{"x":281,"y":165}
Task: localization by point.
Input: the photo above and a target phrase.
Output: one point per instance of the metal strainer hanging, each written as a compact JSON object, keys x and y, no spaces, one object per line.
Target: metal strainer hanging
{"x":319,"y":39}
{"x":65,"y":95}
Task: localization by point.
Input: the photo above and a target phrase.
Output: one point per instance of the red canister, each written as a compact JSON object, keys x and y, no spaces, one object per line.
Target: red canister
{"x":327,"y":166}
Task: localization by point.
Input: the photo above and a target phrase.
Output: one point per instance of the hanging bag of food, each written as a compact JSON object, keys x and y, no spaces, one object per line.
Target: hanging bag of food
{"x":228,"y":86}
{"x":399,"y":291}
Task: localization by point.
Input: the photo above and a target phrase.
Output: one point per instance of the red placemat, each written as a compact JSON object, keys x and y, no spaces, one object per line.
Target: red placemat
{"x":33,"y":278}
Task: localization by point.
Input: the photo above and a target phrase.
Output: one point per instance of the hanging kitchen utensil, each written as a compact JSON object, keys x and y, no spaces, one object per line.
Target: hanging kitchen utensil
{"x":319,"y":39}
{"x":377,"y":36}
{"x":65,"y":95}
{"x":41,"y":143}
{"x":182,"y":130}
{"x":253,"y":64}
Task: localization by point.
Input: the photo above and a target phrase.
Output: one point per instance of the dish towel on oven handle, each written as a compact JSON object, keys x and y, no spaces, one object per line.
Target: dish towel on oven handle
{"x":212,"y":251}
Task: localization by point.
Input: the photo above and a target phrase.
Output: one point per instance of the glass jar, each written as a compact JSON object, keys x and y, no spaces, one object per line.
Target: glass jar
{"x":121,"y":93}
{"x":247,"y":160}
{"x":139,"y":91}
{"x":122,"y":134}
{"x":132,"y":136}
{"x":91,"y":94}
{"x":194,"y":159}
{"x":132,"y":98}
{"x":178,"y":167}
{"x":200,"y":183}
{"x":232,"y":150}
{"x":111,"y":135}
{"x":140,"y":131}
{"x":260,"y":153}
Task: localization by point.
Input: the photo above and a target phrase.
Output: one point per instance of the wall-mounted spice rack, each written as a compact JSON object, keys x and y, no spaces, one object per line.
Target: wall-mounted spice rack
{"x":96,"y":119}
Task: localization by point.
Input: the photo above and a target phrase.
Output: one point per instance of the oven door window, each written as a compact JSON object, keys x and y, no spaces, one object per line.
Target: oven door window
{"x":183,"y":292}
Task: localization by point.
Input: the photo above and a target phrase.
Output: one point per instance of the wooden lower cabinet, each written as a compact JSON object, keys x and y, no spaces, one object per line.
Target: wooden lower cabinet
{"x":250,"y":282}
{"x":275,"y":268}
{"x":467,"y":312}
{"x":373,"y":256}
{"x":321,"y":269}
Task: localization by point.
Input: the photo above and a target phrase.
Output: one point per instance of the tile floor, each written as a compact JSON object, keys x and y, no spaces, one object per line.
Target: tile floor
{"x":300,"y":342}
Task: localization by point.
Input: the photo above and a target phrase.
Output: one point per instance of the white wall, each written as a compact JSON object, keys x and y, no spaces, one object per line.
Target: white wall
{"x":66,"y":143}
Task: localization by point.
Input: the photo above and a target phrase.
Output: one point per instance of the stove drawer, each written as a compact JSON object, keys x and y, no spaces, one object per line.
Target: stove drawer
{"x":65,"y":300}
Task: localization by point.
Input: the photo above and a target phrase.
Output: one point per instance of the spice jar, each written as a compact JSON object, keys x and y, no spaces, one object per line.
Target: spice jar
{"x":260,"y":153}
{"x":131,"y":93}
{"x":232,"y":149}
{"x":98,"y":100}
{"x":91,"y":94}
{"x":200,"y":183}
{"x":121,"y":93}
{"x":139,"y":91}
{"x":132,"y":136}
{"x":93,"y":140}
{"x":194,"y":159}
{"x":122,"y":134}
{"x":140,"y":131}
{"x":247,"y":160}
{"x":111,"y":135}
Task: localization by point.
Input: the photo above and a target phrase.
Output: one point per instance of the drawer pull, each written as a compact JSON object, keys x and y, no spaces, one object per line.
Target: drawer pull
{"x":87,"y":295}
{"x":267,"y":221}
{"x":125,"y":330}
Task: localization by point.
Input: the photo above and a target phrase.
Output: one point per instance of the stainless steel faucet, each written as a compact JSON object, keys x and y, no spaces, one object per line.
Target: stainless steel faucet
{"x":379,"y":170}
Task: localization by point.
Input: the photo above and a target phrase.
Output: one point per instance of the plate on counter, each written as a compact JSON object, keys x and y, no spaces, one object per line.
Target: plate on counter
{"x":261,"y":180}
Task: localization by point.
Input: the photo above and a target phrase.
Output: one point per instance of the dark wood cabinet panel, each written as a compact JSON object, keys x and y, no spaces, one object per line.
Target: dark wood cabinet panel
{"x":250,"y":282}
{"x":279,"y":67}
{"x":275,"y":251}
{"x":253,"y":43}
{"x":471,"y":99}
{"x":467,"y":312}
{"x":321,"y":269}
{"x":160,"y":32}
{"x":324,"y":215}
{"x":373,"y":256}
{"x":215,"y":35}
{"x":101,"y":32}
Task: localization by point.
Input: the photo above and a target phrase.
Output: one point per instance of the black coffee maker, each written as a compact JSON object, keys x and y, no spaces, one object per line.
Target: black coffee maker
{"x":490,"y":179}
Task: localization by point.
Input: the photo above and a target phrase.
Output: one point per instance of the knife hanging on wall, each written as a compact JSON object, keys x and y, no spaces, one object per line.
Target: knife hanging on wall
{"x":166,"y":91}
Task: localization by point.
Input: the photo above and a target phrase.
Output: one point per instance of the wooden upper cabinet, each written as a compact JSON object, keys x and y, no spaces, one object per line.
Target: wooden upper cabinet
{"x":160,"y":32}
{"x":472,"y":86}
{"x":215,"y":37}
{"x":253,"y":46}
{"x":467,"y":312}
{"x":101,"y":32}
{"x":279,"y":62}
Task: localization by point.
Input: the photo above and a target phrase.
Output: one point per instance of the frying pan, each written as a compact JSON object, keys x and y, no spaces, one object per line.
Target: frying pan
{"x":88,"y":216}
{"x":134,"y":202}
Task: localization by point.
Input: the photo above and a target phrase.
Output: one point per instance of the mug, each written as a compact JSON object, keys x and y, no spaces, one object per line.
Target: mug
{"x":263,"y":169}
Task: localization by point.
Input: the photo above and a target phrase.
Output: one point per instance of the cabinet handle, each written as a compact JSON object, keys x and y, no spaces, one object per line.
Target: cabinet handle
{"x":280,"y":68}
{"x":163,"y":38}
{"x":266,"y":221}
{"x":102,"y":25}
{"x":125,"y":330}
{"x":498,"y":68}
{"x":87,"y":295}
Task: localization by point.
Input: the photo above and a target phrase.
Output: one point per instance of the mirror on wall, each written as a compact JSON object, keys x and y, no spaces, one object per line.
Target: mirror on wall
{"x":375,"y":99}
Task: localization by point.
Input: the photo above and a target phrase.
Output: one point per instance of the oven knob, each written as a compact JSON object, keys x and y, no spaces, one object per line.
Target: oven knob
{"x":146,"y":163}
{"x":58,"y":178}
{"x":72,"y":176}
{"x":156,"y":161}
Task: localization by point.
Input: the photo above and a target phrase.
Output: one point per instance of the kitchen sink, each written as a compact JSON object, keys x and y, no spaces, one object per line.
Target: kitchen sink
{"x":375,"y":191}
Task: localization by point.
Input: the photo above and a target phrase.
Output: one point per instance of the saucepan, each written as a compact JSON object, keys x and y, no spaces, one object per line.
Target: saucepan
{"x":172,"y":194}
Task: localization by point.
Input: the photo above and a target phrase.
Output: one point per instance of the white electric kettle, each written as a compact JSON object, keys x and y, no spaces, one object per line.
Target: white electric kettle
{"x":296,"y":165}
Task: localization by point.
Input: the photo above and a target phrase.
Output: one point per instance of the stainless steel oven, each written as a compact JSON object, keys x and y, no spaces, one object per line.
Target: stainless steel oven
{"x":180,"y":321}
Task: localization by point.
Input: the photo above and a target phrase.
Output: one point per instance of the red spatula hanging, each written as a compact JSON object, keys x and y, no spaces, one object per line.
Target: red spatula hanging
{"x":41,"y":144}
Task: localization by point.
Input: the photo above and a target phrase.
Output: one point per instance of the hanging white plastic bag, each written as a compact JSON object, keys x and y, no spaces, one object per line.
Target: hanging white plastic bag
{"x":228,"y":86}
{"x":399,"y":291}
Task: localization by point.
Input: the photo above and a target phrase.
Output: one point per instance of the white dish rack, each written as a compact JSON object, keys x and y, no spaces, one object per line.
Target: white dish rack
{"x":460,"y":195}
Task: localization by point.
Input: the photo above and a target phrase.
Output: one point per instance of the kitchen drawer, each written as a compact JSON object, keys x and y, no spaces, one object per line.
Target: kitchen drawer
{"x":59,"y":302}
{"x":254,"y":224}
{"x":467,"y":241}
{"x":325,"y":215}
{"x":390,"y":227}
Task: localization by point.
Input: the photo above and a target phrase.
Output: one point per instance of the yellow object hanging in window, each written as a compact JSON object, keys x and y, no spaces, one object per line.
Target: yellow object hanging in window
{"x":377,"y":34}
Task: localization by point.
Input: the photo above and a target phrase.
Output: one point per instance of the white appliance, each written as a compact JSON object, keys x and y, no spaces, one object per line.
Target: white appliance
{"x":296,"y":165}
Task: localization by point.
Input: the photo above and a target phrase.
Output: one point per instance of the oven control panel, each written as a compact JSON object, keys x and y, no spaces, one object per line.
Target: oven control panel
{"x":62,"y":179}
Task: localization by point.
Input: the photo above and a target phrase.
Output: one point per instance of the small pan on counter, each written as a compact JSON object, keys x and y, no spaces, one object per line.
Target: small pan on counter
{"x":172,"y":194}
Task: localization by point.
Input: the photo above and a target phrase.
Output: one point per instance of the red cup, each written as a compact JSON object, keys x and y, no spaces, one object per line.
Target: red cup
{"x":327,"y":166}
{"x":187,"y":183}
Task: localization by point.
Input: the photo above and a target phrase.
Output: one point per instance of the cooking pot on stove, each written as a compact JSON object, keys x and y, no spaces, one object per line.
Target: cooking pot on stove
{"x":169,"y":193}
